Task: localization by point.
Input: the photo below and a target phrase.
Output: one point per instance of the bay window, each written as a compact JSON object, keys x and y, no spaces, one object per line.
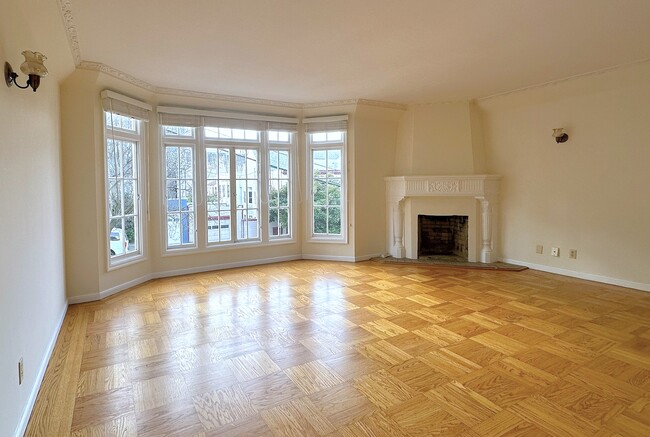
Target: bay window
{"x":239,"y":186}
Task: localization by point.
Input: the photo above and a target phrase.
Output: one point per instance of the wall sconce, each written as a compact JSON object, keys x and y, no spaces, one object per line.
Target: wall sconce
{"x":33,"y":67}
{"x":559,"y":135}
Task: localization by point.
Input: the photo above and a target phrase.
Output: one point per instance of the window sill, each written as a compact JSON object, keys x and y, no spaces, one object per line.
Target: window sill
{"x":115,"y":264}
{"x":228,"y":246}
{"x":327,"y":240}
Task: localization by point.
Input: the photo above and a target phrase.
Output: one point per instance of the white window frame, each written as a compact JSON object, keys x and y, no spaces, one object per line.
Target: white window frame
{"x":327,"y":145}
{"x":179,"y":141}
{"x":139,"y":138}
{"x":234,"y":226}
{"x":289,"y":147}
{"x":240,"y":122}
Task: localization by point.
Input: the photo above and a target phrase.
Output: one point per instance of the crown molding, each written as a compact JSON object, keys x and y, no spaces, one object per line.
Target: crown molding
{"x":73,"y":40}
{"x":70,"y":30}
{"x":382,"y":104}
{"x":565,"y":79}
{"x":107,"y":69}
{"x":330,"y":103}
{"x":225,"y":97}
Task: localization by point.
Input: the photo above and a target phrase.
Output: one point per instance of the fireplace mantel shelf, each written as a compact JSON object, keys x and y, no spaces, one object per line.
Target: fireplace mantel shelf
{"x":484,"y":188}
{"x":452,"y":185}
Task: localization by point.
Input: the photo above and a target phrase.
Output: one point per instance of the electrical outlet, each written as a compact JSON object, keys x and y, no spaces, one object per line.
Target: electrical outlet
{"x":573,"y":253}
{"x":20,"y":371}
{"x":539,"y":249}
{"x":555,"y":251}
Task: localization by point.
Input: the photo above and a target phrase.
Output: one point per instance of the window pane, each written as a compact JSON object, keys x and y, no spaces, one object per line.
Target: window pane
{"x":172,"y":194}
{"x":320,"y":220}
{"x":251,"y":164}
{"x":187,"y":228}
{"x":284,"y":221}
{"x":240,"y":164}
{"x":130,"y":231}
{"x":334,"y":136}
{"x":319,"y":137}
{"x":173,"y":230}
{"x":333,"y":191}
{"x":283,"y":193}
{"x":186,"y":163}
{"x":115,"y":199}
{"x":129,"y":197}
{"x":283,"y":164}
{"x":112,"y":159}
{"x":319,"y":162}
{"x":178,"y":131}
{"x":334,"y":221}
{"x":252,"y":223}
{"x":320,"y":193}
{"x":127,"y":160}
{"x":186,"y":195}
{"x":212,"y":163}
{"x":172,"y":159}
{"x":273,"y":164}
{"x":224,"y":164}
{"x":334,"y":160}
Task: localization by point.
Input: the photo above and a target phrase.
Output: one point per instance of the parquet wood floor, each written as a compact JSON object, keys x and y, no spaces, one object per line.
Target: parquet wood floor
{"x":335,"y":349}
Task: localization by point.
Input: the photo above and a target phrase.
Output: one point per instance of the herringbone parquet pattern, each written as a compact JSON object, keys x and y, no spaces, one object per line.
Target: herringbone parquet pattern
{"x":318,"y":348}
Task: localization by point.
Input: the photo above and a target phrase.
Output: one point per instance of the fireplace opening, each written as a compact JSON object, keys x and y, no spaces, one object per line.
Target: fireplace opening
{"x":443,"y":235}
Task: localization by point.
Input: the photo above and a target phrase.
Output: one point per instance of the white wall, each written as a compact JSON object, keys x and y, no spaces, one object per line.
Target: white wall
{"x":375,"y":134}
{"x":440,"y":139}
{"x":591,"y":193}
{"x":32,"y":294}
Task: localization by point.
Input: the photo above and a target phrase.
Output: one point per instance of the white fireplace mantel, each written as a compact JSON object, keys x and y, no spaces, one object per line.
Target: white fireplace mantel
{"x":484,"y":188}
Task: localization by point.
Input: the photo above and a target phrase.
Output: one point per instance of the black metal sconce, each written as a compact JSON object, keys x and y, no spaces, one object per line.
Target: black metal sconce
{"x":33,"y":67}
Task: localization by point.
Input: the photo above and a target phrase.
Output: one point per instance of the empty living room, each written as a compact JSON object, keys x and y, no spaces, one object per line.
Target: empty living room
{"x":309,"y":218}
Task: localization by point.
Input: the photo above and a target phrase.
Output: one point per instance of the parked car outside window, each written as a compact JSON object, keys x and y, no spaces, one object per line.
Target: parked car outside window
{"x":119,"y":242}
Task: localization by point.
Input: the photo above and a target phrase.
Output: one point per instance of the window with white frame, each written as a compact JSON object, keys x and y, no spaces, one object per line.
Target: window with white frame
{"x":279,"y":190}
{"x":244,"y":181}
{"x":124,"y":145}
{"x":326,"y":141}
{"x":179,"y":195}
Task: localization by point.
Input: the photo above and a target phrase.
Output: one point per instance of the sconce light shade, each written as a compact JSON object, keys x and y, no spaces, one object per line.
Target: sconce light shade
{"x":33,"y":67}
{"x":559,"y":135}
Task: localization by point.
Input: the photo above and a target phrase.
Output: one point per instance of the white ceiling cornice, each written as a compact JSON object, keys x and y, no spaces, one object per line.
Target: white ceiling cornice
{"x":73,"y":41}
{"x":71,"y":30}
{"x":413,"y":63}
{"x":564,"y":79}
{"x":107,"y":69}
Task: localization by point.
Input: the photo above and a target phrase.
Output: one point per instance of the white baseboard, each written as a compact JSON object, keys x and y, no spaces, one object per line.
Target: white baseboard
{"x":137,"y":281}
{"x":82,"y":299}
{"x":366,"y":257}
{"x":254,"y":262}
{"x":349,"y":259}
{"x":580,"y":275}
{"x":27,"y":412}
{"x":233,"y":265}
{"x":132,"y":283}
